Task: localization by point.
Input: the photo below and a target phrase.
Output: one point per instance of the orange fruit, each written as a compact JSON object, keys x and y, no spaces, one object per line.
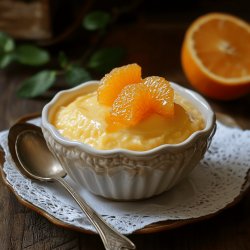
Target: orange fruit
{"x":113,"y":82}
{"x":138,"y":101}
{"x":216,"y":56}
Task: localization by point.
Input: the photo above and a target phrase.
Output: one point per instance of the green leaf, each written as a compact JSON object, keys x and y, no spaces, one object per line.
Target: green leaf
{"x":6,"y":59}
{"x":104,"y":60}
{"x":63,"y":60}
{"x":37,"y":84}
{"x":96,"y":20}
{"x":76,"y":75}
{"x":31,"y":55}
{"x":7,"y":44}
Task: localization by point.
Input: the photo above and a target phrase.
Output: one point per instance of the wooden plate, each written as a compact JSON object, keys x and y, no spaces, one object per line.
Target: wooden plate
{"x":152,"y":228}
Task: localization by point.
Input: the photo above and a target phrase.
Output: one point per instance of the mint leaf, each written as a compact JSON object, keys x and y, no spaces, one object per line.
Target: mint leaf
{"x":7,"y":44}
{"x":104,"y":60}
{"x":5,"y":60}
{"x":31,"y":55}
{"x":37,"y":84}
{"x":63,"y":60}
{"x":76,"y":75}
{"x":96,"y":20}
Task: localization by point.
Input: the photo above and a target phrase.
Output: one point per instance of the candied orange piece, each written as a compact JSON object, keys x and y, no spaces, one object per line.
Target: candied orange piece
{"x":138,"y":101}
{"x":113,"y":82}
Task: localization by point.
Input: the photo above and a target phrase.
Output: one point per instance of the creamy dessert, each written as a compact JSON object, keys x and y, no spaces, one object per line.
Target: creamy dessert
{"x":87,"y":120}
{"x":84,"y":120}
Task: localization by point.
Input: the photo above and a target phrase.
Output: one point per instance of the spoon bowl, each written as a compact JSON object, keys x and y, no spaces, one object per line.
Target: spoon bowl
{"x":32,"y":157}
{"x":44,"y":166}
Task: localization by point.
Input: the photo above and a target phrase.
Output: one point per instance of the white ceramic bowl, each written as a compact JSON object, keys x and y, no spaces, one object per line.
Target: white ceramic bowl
{"x":125,"y":174}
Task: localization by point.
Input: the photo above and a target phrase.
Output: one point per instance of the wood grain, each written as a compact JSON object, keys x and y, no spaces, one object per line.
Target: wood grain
{"x":155,"y":44}
{"x":25,"y":19}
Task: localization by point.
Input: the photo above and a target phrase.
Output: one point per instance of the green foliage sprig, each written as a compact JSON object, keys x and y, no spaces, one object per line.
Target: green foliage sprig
{"x":99,"y":60}
{"x":24,"y":54}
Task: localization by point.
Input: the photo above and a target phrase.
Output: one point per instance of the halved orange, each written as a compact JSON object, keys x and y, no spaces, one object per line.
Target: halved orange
{"x":138,"y":101}
{"x":113,"y":82}
{"x":216,"y":56}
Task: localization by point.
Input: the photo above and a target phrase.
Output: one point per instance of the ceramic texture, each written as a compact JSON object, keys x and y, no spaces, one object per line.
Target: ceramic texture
{"x":125,"y":174}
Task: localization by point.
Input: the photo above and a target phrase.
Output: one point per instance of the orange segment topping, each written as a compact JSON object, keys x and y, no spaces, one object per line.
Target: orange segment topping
{"x":138,"y":101}
{"x":130,"y":106}
{"x":162,"y":95}
{"x":113,"y":83}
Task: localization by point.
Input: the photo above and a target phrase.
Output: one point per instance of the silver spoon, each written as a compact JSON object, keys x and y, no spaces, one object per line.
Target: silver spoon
{"x":31,"y":155}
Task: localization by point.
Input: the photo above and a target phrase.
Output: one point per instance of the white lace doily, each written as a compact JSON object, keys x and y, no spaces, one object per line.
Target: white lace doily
{"x":212,"y":185}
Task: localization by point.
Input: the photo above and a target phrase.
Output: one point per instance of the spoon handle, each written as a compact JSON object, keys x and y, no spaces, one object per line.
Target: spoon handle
{"x":111,"y":238}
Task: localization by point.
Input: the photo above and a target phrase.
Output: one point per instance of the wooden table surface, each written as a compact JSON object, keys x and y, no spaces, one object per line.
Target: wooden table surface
{"x":155,"y":45}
